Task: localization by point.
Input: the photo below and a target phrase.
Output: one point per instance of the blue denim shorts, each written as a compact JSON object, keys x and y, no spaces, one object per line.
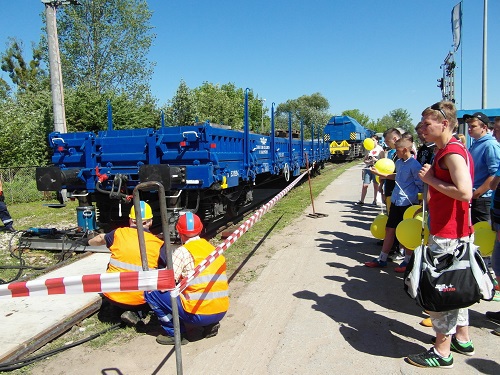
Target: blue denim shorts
{"x":367,"y":176}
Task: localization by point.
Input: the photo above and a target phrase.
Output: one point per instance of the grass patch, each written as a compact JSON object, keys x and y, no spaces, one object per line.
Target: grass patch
{"x":25,"y":216}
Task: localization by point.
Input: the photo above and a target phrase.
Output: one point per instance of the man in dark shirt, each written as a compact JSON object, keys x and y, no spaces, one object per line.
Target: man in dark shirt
{"x":425,"y":153}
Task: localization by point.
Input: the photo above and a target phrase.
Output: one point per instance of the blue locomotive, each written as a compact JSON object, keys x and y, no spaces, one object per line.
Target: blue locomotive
{"x":345,"y":136}
{"x":205,"y":168}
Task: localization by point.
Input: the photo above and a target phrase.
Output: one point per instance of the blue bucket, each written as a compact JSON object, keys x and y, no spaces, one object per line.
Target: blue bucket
{"x":85,"y":217}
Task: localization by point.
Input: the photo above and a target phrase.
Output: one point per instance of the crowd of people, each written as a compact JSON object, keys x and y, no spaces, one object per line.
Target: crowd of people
{"x":463,"y":189}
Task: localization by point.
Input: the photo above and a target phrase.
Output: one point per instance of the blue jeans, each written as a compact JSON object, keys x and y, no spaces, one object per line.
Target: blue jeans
{"x":161,"y":304}
{"x":480,"y":209}
{"x":495,"y":257}
{"x":5,"y":215}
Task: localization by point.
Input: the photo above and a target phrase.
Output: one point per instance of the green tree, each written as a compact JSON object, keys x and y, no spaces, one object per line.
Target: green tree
{"x":235,"y":106}
{"x":25,"y":122}
{"x":397,"y":118}
{"x":224,"y":104}
{"x":25,"y":75}
{"x":311,"y":109}
{"x":403,"y":120}
{"x":181,"y":110}
{"x":131,"y":114}
{"x":5,"y":90}
{"x":358,"y":116}
{"x":25,"y":111}
{"x":86,"y":110}
{"x":104,"y":45}
{"x":386,"y":122}
{"x":212,"y":103}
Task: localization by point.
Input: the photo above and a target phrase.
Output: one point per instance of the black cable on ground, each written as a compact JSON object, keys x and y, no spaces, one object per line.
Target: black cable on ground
{"x":14,"y":365}
{"x":22,"y":263}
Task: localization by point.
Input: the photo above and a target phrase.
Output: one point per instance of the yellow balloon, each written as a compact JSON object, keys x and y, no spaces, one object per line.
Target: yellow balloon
{"x":420,"y":196}
{"x":409,"y":233}
{"x":377,"y":179}
{"x":485,"y":239}
{"x":419,"y":216}
{"x":378,"y":226}
{"x":388,"y":203}
{"x":385,"y":166}
{"x":410,"y":211}
{"x":369,"y":144}
{"x":481,"y":224}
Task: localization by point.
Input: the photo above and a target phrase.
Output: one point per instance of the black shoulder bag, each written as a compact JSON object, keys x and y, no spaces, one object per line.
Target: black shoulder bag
{"x":450,"y":281}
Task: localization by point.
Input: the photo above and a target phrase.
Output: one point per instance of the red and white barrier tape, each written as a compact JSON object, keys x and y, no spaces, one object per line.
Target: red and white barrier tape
{"x":233,"y":237}
{"x":95,"y":283}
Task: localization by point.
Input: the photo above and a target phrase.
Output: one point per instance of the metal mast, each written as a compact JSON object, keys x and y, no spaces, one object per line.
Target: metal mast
{"x":447,"y":83}
{"x":485,"y":54}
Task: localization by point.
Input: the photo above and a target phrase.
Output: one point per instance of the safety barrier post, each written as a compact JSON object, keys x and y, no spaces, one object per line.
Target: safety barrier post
{"x":149,"y":186}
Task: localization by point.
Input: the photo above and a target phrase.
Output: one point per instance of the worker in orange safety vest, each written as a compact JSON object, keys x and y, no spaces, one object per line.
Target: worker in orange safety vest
{"x":206,"y":300}
{"x":123,"y":244}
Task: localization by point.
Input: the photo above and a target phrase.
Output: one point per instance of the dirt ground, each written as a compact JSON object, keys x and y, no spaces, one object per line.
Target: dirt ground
{"x":304,"y":303}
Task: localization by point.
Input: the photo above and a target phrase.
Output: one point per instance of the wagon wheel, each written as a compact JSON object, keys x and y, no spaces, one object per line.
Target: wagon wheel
{"x":232,"y":210}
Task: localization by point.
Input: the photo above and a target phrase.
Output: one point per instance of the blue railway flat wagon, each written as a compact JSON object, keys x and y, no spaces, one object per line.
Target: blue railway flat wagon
{"x":205,"y":168}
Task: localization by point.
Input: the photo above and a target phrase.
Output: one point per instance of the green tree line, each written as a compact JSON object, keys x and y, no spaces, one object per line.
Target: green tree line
{"x":103,"y":46}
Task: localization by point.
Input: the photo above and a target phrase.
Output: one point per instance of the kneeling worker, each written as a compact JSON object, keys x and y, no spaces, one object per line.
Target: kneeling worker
{"x":206,"y":300}
{"x":126,"y":257}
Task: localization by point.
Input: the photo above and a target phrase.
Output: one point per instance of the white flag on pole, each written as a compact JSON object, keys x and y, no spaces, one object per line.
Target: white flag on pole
{"x":456,"y":24}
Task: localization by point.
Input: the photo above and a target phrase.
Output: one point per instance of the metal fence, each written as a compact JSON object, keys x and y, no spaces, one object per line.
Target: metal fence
{"x":19,"y":185}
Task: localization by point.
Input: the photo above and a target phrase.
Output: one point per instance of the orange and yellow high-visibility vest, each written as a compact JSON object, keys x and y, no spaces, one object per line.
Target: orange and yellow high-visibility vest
{"x":208,"y":293}
{"x":126,"y":257}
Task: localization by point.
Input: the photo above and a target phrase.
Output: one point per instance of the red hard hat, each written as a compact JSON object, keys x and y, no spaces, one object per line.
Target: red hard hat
{"x":189,"y":224}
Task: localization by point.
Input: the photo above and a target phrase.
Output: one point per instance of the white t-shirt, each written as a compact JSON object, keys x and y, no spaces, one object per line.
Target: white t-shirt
{"x":373,"y":155}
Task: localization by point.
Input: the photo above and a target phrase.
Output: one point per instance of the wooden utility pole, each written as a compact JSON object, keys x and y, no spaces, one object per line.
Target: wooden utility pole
{"x":56,"y":83}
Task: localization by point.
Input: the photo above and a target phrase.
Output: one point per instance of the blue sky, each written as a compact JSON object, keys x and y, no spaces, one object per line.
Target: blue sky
{"x":375,"y":56}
